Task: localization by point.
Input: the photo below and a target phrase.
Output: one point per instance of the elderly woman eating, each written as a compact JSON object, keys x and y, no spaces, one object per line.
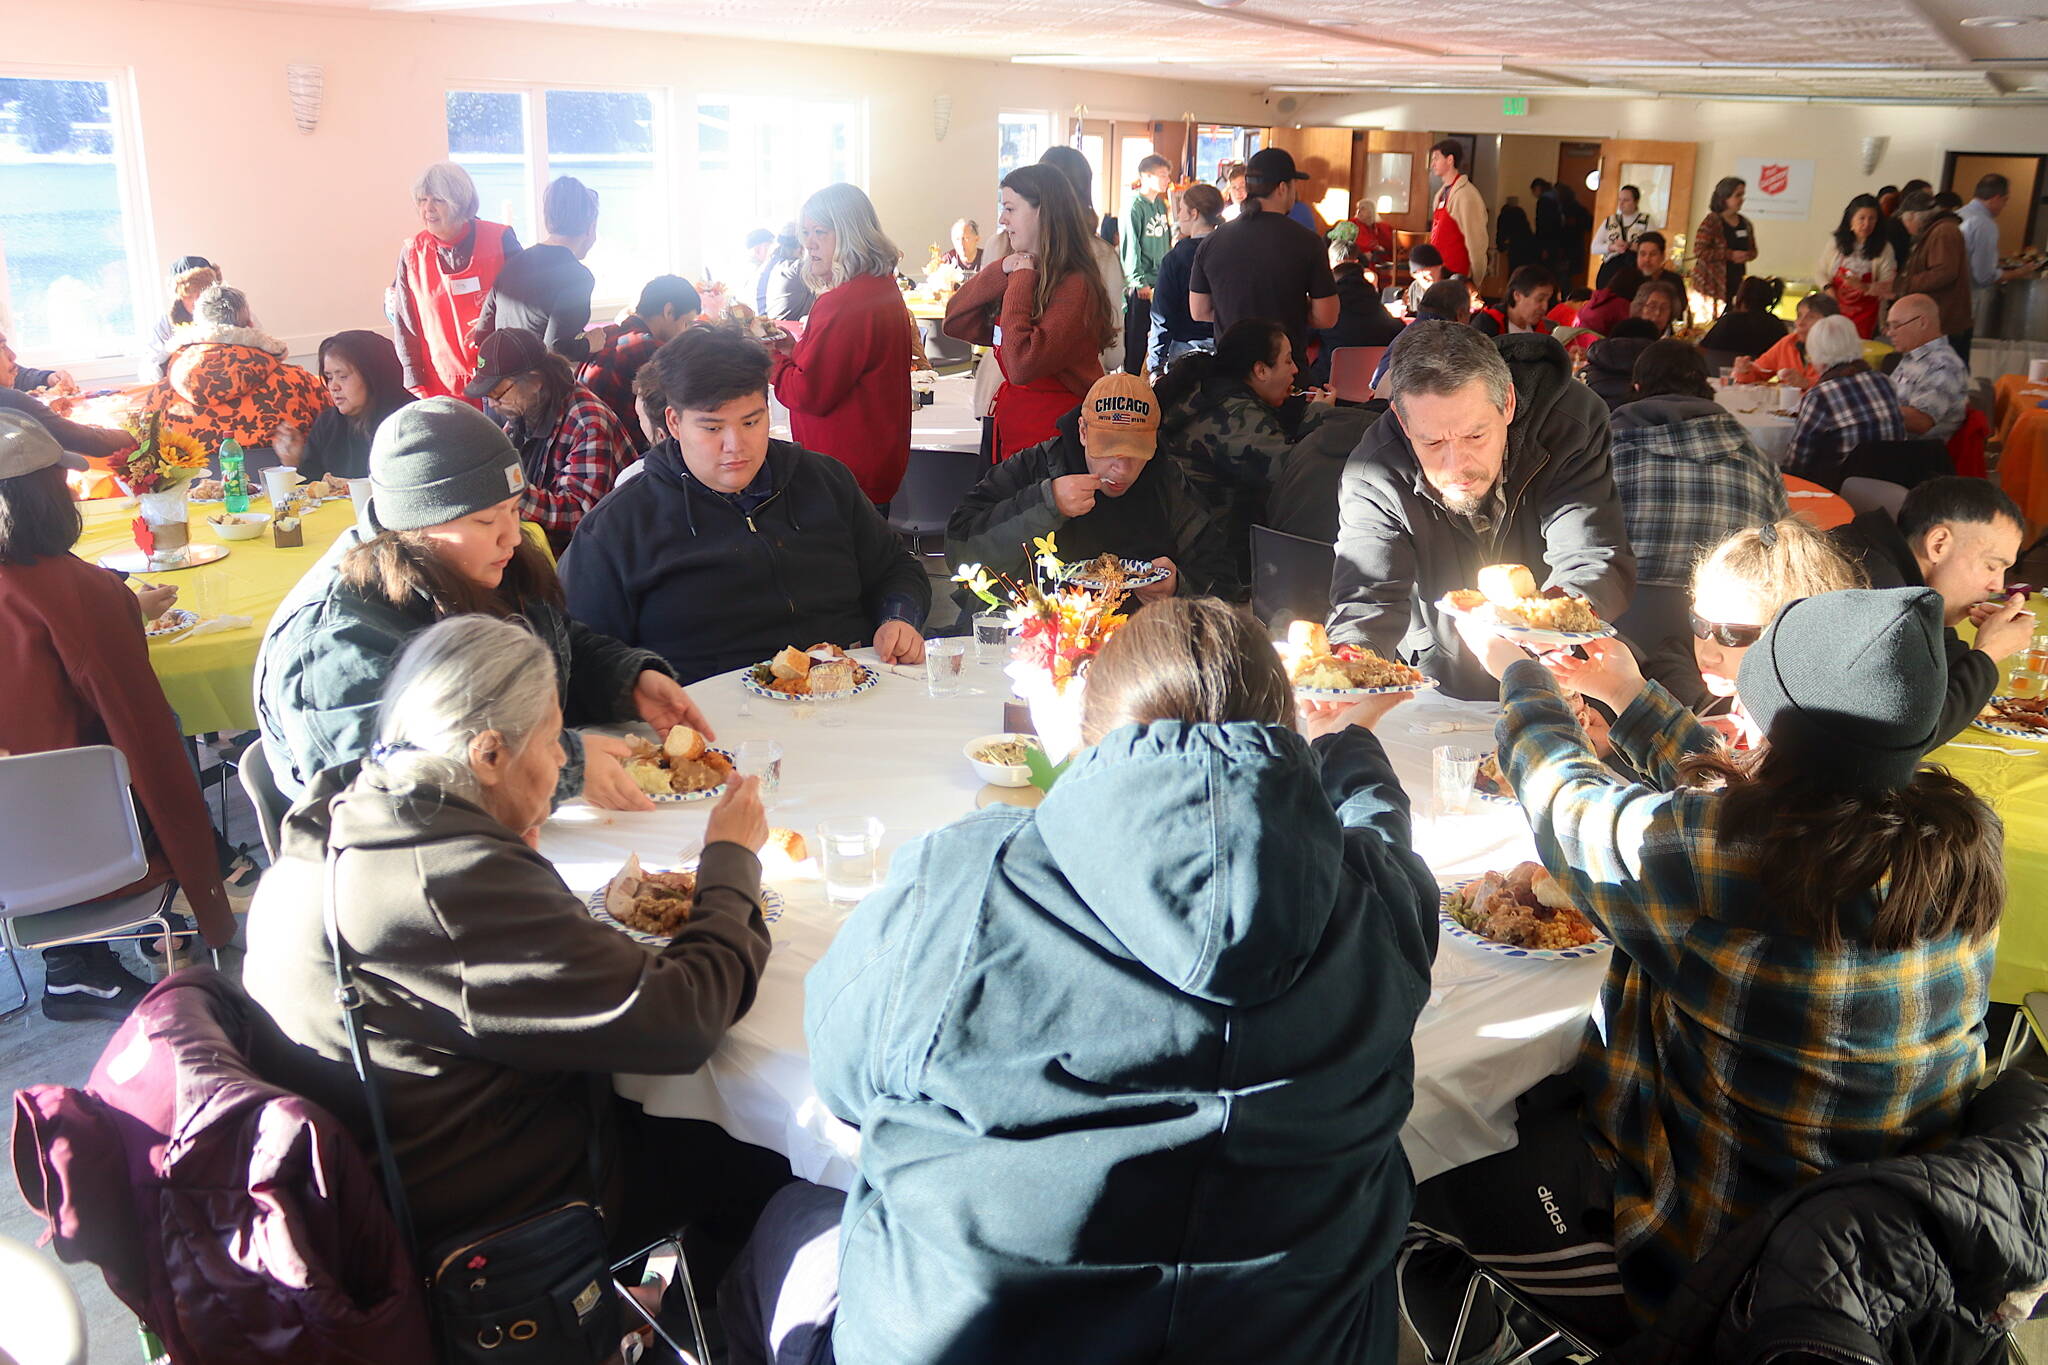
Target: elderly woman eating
{"x":492,"y":999}
{"x":446,"y":272}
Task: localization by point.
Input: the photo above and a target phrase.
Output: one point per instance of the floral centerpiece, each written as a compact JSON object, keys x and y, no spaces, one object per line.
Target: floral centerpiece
{"x":1058,"y":626}
{"x":159,"y":473}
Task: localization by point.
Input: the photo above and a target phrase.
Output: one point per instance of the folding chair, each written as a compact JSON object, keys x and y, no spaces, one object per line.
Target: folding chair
{"x":683,"y":1281}
{"x":1867,"y":495}
{"x":1290,"y":576}
{"x":71,"y":836}
{"x":265,"y":797}
{"x":934,"y":483}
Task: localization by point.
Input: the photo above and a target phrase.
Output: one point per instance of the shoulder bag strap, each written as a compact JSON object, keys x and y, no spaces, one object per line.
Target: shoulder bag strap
{"x":350,"y":998}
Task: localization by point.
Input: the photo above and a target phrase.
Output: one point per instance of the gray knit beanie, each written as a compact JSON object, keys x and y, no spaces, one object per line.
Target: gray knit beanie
{"x":1855,"y":681}
{"x":436,"y":460}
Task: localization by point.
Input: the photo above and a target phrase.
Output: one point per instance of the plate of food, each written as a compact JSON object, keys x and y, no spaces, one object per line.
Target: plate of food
{"x":2015,"y":717}
{"x":205,"y":490}
{"x":800,"y":674}
{"x":1107,"y":573}
{"x":1523,"y":913}
{"x":682,"y":768}
{"x":652,"y":907}
{"x":176,"y":621}
{"x":1507,"y":602}
{"x":1490,"y":784}
{"x":1322,"y":672}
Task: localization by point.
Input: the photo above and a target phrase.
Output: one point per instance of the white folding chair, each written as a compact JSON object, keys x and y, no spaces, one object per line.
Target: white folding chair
{"x":68,"y":836}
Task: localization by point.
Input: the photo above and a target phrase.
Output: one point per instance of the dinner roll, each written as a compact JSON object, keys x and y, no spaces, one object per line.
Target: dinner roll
{"x":1507,"y":584}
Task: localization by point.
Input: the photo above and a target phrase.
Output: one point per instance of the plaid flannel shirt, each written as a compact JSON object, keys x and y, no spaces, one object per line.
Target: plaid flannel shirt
{"x":1689,"y":485}
{"x":1848,"y":407}
{"x":609,"y":374}
{"x":1740,"y":1061}
{"x":571,"y":465}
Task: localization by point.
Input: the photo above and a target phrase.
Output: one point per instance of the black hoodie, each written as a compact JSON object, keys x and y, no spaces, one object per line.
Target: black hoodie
{"x":1399,"y":550}
{"x":665,"y":563}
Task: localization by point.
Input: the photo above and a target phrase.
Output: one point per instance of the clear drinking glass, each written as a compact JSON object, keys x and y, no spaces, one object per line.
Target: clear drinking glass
{"x":762,"y":758}
{"x":991,"y":639}
{"x":1456,"y":768}
{"x":851,"y":856}
{"x":944,"y":662}
{"x":831,"y":683}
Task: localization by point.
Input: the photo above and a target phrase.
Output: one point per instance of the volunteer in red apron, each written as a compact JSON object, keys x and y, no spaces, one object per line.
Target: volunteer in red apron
{"x":1458,"y":227}
{"x":444,"y":275}
{"x":1042,"y":307}
{"x":1857,"y":258}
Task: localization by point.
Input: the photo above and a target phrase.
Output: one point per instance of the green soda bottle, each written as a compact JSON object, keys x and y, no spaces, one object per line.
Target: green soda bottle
{"x":233,"y":481}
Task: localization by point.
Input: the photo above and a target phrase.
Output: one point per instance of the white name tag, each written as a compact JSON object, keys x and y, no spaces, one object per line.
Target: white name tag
{"x":465,"y":285}
{"x":998,"y":337}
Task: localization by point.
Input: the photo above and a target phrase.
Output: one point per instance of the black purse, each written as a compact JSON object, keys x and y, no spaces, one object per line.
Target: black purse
{"x":537,"y":1288}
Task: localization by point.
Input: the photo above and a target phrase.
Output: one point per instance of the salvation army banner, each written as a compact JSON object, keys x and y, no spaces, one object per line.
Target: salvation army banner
{"x":1778,"y":188}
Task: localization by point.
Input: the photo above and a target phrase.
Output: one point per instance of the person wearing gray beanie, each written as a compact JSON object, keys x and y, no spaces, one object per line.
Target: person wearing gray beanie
{"x":1803,"y":941}
{"x":442,"y":535}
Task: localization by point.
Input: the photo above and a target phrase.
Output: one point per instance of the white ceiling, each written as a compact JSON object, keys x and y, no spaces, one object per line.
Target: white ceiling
{"x":1785,"y":49}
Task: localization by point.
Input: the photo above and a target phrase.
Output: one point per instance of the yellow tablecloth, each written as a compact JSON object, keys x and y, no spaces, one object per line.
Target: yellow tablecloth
{"x":209,"y":680}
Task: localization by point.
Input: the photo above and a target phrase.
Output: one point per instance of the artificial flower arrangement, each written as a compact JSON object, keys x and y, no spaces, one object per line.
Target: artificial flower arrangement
{"x":161,"y":459}
{"x":940,"y":278}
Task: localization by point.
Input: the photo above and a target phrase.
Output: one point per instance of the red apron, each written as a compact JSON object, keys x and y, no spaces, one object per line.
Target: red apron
{"x":1446,"y":236}
{"x":1025,"y":414}
{"x":448,"y":303}
{"x":1857,"y":306}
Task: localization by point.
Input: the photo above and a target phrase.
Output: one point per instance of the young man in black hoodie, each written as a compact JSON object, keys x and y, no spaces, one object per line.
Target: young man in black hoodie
{"x":1491,"y":453}
{"x":732,"y":546}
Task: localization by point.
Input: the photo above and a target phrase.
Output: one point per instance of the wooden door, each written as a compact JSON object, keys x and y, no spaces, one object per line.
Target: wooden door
{"x":1098,"y":144}
{"x":2022,"y":172}
{"x":1390,"y":159}
{"x":1662,"y":171}
{"x":1326,"y":155}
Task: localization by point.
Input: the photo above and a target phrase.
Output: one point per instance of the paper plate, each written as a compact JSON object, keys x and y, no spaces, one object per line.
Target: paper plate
{"x":1428,"y":684}
{"x":678,"y":798}
{"x":771,"y":911}
{"x":1525,"y":635}
{"x":864,"y":683}
{"x":179,"y":621}
{"x":1458,"y":931}
{"x":1999,"y":727}
{"x":1138,"y":573}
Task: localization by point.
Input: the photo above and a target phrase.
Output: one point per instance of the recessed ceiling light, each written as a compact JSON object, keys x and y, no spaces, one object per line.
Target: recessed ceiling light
{"x":1223,"y":4}
{"x":1997,"y":21}
{"x":1331,"y":23}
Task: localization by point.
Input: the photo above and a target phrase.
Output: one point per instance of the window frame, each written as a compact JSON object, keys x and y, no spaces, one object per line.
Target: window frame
{"x":1044,"y":119}
{"x":857,"y":158}
{"x":138,"y":236}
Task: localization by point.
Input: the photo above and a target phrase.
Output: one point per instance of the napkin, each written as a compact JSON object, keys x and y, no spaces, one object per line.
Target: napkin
{"x":219,"y":624}
{"x":1808,"y":493}
{"x":1445,"y":727}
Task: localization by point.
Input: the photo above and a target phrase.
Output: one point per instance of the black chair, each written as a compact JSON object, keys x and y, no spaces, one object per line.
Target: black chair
{"x":933,"y":485}
{"x":1905,"y":463}
{"x":1290,"y":577}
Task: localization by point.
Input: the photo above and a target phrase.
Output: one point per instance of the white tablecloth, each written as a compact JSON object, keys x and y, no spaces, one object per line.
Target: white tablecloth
{"x":1770,"y":430}
{"x":1493,"y":1027}
{"x":946,"y":423}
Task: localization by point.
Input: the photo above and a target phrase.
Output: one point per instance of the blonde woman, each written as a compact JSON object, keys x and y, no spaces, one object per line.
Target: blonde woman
{"x":846,"y":381}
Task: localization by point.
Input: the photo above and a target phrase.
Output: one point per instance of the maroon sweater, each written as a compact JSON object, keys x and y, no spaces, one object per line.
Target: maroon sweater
{"x":847,"y":382}
{"x":78,"y":672}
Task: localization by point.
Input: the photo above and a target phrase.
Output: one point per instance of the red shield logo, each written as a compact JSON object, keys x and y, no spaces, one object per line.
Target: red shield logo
{"x":1774,"y":179}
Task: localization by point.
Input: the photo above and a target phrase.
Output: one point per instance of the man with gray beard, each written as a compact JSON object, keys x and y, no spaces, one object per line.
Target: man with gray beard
{"x":1491,"y":453}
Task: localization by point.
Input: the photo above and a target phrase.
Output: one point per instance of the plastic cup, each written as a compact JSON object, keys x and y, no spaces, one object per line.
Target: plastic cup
{"x":1455,"y":769}
{"x":850,"y":851}
{"x":278,"y":483}
{"x":991,"y":639}
{"x":762,"y":758}
{"x":359,"y":491}
{"x":944,"y":662}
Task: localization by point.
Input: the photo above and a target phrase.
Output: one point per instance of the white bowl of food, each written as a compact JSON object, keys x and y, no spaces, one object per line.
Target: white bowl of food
{"x":238,"y":525}
{"x":999,"y":759}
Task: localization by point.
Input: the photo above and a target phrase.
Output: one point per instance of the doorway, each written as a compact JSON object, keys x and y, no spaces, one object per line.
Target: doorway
{"x":2022,"y":171}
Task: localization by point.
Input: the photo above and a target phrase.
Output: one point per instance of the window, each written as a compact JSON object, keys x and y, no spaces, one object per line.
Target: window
{"x":71,"y":253}
{"x":1216,"y":143}
{"x":1021,"y":138}
{"x":1388,"y":176}
{"x":513,"y":142}
{"x":758,"y":158}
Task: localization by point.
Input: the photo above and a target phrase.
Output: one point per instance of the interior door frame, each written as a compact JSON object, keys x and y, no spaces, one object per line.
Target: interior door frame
{"x":1682,"y":157}
{"x":2040,"y":160}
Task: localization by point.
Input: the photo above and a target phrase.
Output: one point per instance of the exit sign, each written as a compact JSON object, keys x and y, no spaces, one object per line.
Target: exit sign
{"x":1514,"y":106}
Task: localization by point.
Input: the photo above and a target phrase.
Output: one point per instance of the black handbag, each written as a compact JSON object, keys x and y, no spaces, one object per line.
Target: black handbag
{"x":537,"y":1288}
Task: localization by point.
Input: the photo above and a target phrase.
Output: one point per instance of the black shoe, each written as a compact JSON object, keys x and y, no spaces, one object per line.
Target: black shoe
{"x":99,"y":988}
{"x":181,"y":931}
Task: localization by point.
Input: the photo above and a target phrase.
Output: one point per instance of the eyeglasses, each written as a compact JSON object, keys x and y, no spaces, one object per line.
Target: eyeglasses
{"x":1728,"y":637}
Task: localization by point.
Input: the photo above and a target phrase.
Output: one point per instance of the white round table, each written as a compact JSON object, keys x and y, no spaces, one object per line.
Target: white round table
{"x":1493,"y":1027}
{"x":1770,"y":429}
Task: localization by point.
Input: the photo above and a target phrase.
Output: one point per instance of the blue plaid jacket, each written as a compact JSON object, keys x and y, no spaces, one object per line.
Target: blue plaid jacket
{"x":1688,"y":485}
{"x":1740,"y":1060}
{"x":1851,"y":404}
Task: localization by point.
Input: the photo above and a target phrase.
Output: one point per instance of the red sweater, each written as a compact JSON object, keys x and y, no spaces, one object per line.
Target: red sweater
{"x":847,"y":383}
{"x":1064,"y":343}
{"x":78,"y":672}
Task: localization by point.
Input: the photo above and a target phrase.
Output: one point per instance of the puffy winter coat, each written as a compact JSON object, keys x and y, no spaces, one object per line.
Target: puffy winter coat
{"x":234,"y":381}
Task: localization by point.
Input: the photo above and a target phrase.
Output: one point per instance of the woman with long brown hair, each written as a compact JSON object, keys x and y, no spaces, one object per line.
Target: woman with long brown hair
{"x":1042,"y":307}
{"x":1803,"y":946}
{"x":1195,"y":972}
{"x":442,"y":537}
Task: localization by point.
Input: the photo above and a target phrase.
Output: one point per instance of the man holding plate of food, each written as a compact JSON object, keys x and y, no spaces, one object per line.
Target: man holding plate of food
{"x":1491,"y":455}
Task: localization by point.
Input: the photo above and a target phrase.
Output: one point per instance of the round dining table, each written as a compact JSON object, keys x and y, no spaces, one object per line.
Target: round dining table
{"x":1493,"y":1027}
{"x":1755,"y":406}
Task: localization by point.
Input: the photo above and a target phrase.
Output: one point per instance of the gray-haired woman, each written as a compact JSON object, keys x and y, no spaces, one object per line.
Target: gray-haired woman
{"x":846,"y":381}
{"x":445,"y":273}
{"x":490,"y":993}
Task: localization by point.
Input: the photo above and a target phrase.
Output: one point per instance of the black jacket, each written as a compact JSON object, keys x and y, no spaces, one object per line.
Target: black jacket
{"x":1158,"y":516}
{"x":1874,"y":542}
{"x":546,"y":290}
{"x":1303,"y":499}
{"x":1362,"y":320}
{"x":1171,"y":320}
{"x":1611,"y":368}
{"x":1901,"y":1261}
{"x":665,"y":563}
{"x":1399,"y":550}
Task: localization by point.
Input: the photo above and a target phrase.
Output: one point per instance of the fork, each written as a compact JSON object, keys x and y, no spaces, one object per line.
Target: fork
{"x":1992,"y":748}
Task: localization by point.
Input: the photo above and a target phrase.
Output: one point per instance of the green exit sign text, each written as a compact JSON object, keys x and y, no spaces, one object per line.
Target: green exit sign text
{"x":1514,"y":106}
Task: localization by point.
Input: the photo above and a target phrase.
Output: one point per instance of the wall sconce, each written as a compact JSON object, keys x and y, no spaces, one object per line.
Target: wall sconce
{"x":1873,"y":152}
{"x":942,"y":116}
{"x":307,"y":84}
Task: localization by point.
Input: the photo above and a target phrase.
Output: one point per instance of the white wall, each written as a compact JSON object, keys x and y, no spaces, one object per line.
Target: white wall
{"x":311,"y":224}
{"x":1830,"y":134}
